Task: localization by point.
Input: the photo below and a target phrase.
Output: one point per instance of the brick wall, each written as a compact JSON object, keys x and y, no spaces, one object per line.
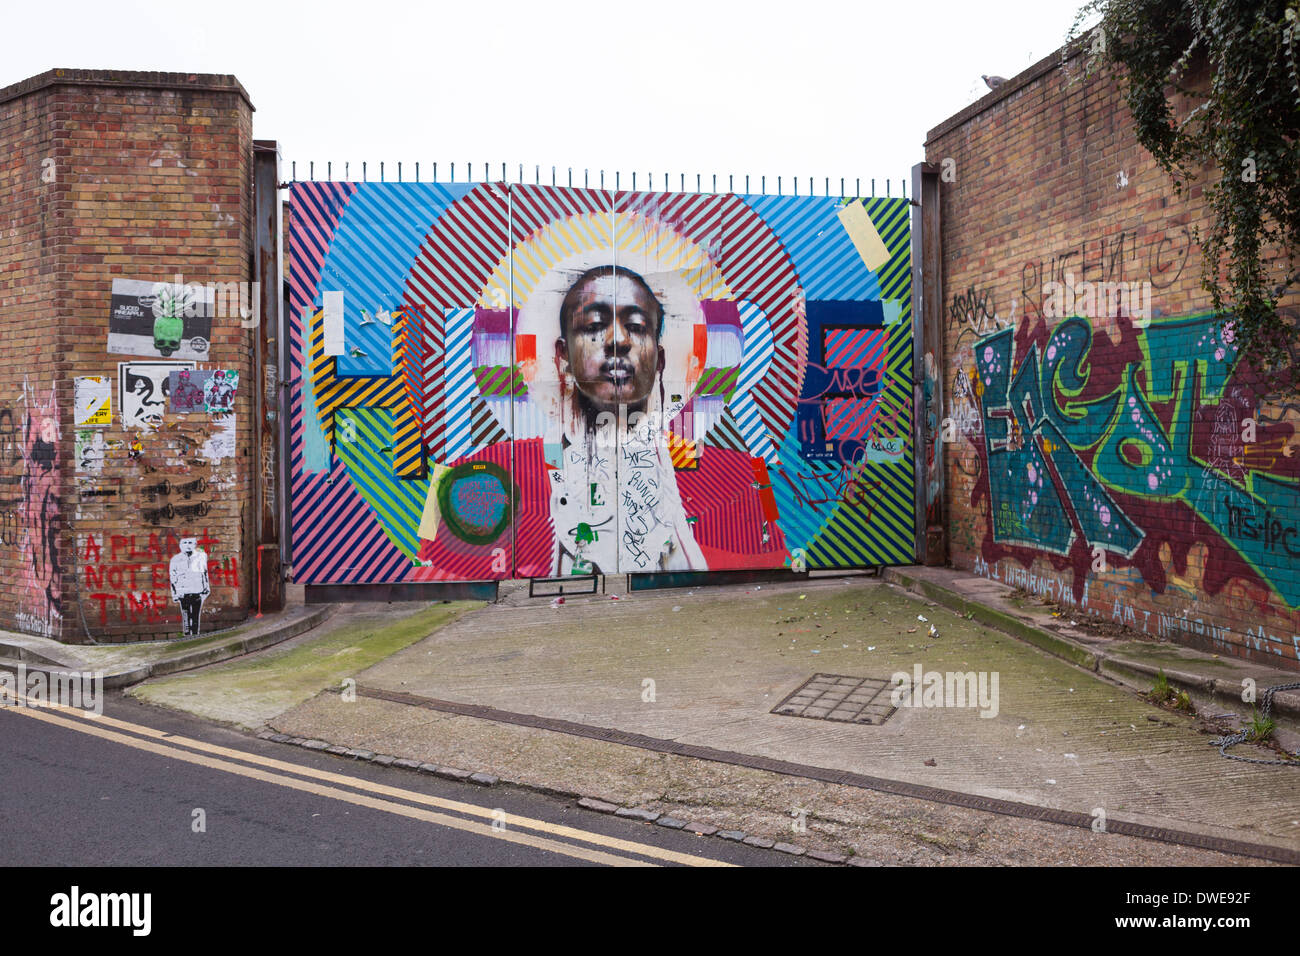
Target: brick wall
{"x":31,"y":228}
{"x":1101,"y":453}
{"x":150,"y":179}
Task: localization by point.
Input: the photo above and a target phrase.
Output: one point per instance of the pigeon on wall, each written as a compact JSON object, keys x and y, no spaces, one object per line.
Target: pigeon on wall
{"x":994,"y":81}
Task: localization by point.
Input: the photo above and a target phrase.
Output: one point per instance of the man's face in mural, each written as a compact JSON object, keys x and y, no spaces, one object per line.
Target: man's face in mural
{"x":610,"y":325}
{"x":150,"y":393}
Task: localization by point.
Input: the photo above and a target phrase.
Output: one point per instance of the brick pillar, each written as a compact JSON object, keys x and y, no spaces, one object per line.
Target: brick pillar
{"x":129,"y":176}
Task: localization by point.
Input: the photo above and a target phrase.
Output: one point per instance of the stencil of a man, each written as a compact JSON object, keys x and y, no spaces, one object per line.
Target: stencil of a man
{"x":190,"y":586}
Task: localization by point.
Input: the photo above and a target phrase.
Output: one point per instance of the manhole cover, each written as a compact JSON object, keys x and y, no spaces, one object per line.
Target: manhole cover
{"x":850,"y":700}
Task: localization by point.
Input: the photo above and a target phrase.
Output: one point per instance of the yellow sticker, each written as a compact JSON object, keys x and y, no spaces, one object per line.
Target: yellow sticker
{"x":862,"y":231}
{"x":430,"y":517}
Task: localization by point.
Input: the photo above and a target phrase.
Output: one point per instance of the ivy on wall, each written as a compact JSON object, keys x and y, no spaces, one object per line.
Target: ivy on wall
{"x":1214,"y":91}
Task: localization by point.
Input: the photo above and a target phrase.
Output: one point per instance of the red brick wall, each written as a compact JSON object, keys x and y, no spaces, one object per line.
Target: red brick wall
{"x":1044,"y":181}
{"x":32,"y":226}
{"x":152,"y":178}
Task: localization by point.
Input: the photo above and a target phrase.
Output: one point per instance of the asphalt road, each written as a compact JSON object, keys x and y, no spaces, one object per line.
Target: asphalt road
{"x":126,"y":790}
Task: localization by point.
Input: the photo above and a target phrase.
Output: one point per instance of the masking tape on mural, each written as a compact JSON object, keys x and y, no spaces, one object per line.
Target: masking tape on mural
{"x":333,"y":302}
{"x":866,"y":240}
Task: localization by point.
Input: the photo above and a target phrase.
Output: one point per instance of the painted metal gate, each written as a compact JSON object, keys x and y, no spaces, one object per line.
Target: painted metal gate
{"x":492,"y":380}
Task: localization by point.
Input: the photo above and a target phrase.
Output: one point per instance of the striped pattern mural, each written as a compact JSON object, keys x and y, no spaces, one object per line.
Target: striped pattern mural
{"x":854,"y":348}
{"x":333,"y":391}
{"x":335,"y":534}
{"x":784,"y":383}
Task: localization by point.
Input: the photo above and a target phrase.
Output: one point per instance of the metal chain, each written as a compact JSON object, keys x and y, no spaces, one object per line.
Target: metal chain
{"x":1231,"y":740}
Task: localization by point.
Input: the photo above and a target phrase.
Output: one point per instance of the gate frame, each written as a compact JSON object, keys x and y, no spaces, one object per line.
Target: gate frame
{"x":924,"y":239}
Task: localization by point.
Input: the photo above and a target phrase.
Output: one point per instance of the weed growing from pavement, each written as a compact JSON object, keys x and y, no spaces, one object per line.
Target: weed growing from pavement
{"x":1160,"y":690}
{"x":1259,"y":728}
{"x":1162,"y":694}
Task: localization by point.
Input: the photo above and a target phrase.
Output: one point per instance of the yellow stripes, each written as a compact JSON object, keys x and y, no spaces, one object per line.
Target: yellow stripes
{"x":249,"y":765}
{"x":334,"y":392}
{"x":685,"y":454}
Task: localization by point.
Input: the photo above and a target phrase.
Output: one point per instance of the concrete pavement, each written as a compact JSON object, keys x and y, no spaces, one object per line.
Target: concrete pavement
{"x":1096,"y":644}
{"x":124,"y":664}
{"x":706,"y":667}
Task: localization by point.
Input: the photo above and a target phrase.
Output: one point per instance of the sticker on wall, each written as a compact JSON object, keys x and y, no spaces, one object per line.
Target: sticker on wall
{"x":93,"y":401}
{"x":144,"y":387}
{"x":190,"y":584}
{"x":90,"y":451}
{"x":161,"y":319}
{"x":185,"y":390}
{"x":474,"y":501}
{"x":221,"y":440}
{"x":219,"y":391}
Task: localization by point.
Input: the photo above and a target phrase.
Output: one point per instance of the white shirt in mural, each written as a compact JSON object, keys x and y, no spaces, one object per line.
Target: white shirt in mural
{"x":617,"y":509}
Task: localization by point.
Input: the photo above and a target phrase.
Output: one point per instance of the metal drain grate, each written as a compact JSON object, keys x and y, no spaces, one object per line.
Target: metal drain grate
{"x":849,"y":700}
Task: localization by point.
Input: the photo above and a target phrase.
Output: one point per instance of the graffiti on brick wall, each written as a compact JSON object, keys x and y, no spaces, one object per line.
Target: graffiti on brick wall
{"x":161,"y":578}
{"x":176,"y":497}
{"x":498,"y":381}
{"x":37,"y":519}
{"x":974,"y":312}
{"x":154,"y":474}
{"x":12,"y":471}
{"x":1133,"y":448}
{"x":1159,"y":259}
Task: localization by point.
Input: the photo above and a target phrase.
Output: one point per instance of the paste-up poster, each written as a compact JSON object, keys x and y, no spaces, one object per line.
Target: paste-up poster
{"x":190,"y":584}
{"x":161,"y":319}
{"x":143,"y":388}
{"x":90,"y":451}
{"x":185,"y":390}
{"x":219,"y":391}
{"x":93,"y":401}
{"x":221,"y":439}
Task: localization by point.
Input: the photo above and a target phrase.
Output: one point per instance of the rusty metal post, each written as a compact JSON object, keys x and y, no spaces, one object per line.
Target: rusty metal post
{"x":928,"y":364}
{"x":269,"y":357}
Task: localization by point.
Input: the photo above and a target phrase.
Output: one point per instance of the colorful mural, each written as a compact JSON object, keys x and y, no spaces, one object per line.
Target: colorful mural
{"x":1132,"y":445}
{"x":498,"y":381}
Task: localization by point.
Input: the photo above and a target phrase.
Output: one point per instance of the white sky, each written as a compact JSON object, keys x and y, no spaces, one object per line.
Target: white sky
{"x":838,"y":88}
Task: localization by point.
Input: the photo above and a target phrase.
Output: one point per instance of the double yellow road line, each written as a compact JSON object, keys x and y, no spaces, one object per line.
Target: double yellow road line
{"x":470,"y":818}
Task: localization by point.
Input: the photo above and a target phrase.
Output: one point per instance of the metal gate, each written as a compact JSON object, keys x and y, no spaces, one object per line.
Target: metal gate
{"x":501,"y":380}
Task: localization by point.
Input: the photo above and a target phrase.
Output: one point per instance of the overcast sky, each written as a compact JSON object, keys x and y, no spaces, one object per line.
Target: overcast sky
{"x":821,"y":88}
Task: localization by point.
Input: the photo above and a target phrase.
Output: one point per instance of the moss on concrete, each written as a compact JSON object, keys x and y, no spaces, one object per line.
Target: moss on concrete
{"x":1164,"y":653}
{"x":250,"y":691}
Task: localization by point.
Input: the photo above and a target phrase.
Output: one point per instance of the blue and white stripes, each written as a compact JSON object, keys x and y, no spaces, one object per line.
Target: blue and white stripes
{"x":756,"y":336}
{"x":458,"y":374}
